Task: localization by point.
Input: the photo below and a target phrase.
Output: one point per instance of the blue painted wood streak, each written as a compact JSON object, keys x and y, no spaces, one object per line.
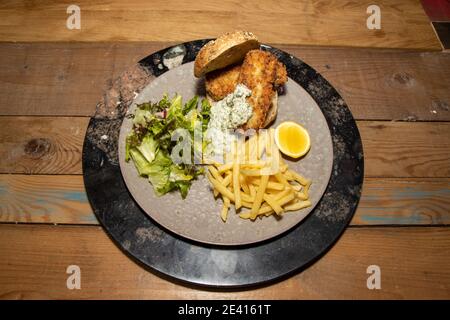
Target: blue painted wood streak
{"x":50,"y":199}
{"x":403,"y":202}
{"x":62,"y":199}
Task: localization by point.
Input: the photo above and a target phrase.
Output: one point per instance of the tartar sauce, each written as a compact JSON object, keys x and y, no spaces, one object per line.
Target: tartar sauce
{"x":228,"y":113}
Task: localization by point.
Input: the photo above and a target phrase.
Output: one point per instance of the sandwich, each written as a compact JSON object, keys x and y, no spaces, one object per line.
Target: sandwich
{"x":236,"y":58}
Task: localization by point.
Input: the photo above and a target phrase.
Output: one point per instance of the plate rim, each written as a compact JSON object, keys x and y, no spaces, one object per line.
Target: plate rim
{"x":151,"y":213}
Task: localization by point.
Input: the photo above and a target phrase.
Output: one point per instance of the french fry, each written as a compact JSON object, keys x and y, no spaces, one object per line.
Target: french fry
{"x":252,"y":172}
{"x":286,"y":199}
{"x":252,"y":143}
{"x":215,"y":173}
{"x":262,"y":138}
{"x":236,"y":185}
{"x":244,"y":184}
{"x":281,"y":179}
{"x":271,"y":185}
{"x":227,"y":180}
{"x":289,"y":176}
{"x":222,"y":190}
{"x":297,"y":206}
{"x":245,"y":215}
{"x":302,"y":196}
{"x":259,"y":196}
{"x":254,"y":165}
{"x":224,"y":181}
{"x":306,"y":188}
{"x":225,"y":207}
{"x":282,"y":194}
{"x":273,"y":204}
{"x":269,"y":143}
{"x":247,"y":197}
{"x":246,"y":204}
{"x":303,"y":181}
{"x":265,"y":209}
{"x":252,"y":190}
{"x":275,"y":186}
{"x":225,"y":167}
{"x":257,"y":184}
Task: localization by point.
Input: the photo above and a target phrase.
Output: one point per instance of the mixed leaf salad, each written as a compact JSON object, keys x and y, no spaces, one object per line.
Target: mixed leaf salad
{"x":150,"y":143}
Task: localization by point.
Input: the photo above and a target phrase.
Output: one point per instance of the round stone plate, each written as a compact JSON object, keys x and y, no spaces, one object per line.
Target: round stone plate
{"x":168,"y":253}
{"x":197,"y":217}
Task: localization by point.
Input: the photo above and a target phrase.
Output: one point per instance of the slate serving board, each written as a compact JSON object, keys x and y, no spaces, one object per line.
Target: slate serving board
{"x":169,"y":254}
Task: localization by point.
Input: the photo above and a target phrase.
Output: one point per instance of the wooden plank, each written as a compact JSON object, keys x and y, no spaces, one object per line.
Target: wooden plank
{"x":413,"y":261}
{"x":336,"y":23}
{"x":402,"y":149}
{"x":386,"y":85}
{"x":70,"y":78}
{"x":62,"y":79}
{"x":411,"y":201}
{"x":53,"y":145}
{"x":62,"y":199}
{"x":44,"y":199}
{"x":48,"y":145}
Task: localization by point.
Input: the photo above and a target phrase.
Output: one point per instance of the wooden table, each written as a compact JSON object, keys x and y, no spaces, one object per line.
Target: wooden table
{"x":396,"y":83}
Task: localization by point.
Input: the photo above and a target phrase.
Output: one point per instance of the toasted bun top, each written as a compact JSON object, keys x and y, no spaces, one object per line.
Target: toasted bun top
{"x":224,"y":51}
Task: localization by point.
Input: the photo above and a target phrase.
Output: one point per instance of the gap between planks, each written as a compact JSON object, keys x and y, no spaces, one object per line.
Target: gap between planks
{"x":338,"y":23}
{"x":62,"y":200}
{"x":53,"y":145}
{"x":376,"y":84}
{"x":413,"y":261}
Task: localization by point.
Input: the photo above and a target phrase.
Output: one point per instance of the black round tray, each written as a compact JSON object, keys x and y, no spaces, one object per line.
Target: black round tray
{"x":161,"y":250}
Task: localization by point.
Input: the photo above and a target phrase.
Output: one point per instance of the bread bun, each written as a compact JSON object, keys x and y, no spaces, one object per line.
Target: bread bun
{"x":224,"y":51}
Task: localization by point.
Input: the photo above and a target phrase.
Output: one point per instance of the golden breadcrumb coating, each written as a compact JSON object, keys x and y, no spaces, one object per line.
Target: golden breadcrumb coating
{"x":222,"y":82}
{"x":261,"y":72}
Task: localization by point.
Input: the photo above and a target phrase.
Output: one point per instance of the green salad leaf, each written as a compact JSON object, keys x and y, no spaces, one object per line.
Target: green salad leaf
{"x":149,"y":144}
{"x":148,"y":147}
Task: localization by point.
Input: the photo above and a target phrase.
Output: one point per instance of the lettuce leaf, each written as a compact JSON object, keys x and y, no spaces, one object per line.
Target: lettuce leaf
{"x":150,"y":143}
{"x":142,"y":116}
{"x":148,"y":148}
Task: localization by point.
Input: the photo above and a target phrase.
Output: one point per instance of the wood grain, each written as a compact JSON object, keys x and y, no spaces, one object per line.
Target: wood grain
{"x":62,"y":79}
{"x":62,"y":199}
{"x":386,"y":85}
{"x":335,"y":23}
{"x":402,"y":149}
{"x":53,"y":145}
{"x":414,"y":265}
{"x":70,"y":78}
{"x":407,"y":165}
{"x":404,"y":201}
{"x":44,"y":199}
{"x":41,"y":144}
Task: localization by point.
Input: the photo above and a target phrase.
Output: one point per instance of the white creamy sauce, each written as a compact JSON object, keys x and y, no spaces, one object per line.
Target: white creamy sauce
{"x":229,"y":113}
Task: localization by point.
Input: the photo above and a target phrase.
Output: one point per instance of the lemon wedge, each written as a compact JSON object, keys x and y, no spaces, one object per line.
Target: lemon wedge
{"x":292,"y":139}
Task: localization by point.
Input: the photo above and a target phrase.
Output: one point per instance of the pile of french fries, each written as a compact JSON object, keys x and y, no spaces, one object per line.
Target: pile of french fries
{"x":255,"y":176}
